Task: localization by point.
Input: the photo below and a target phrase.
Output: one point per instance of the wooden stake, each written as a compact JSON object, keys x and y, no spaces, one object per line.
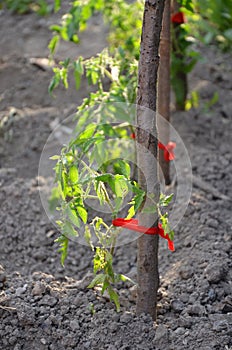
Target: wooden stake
{"x":148,"y":274}
{"x":163,"y":100}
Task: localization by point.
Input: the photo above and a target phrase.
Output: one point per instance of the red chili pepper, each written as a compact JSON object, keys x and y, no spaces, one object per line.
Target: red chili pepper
{"x":178,"y":18}
{"x":132,"y":224}
{"x":132,"y":135}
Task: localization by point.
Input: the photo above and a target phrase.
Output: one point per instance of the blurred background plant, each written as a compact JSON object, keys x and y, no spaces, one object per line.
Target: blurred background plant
{"x":184,"y":55}
{"x":212,"y":22}
{"x":25,"y":6}
{"x":193,"y":22}
{"x":114,"y":70}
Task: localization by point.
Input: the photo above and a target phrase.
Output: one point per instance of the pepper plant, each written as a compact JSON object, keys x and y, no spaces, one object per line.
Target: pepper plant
{"x":94,"y":168}
{"x":93,"y":171}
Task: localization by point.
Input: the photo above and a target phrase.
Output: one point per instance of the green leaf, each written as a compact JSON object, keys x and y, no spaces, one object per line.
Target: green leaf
{"x":123,"y":278}
{"x":99,"y":262}
{"x":108,"y":257}
{"x":54,"y":199}
{"x":131,"y":212}
{"x":138,"y":200}
{"x":56,"y":157}
{"x":110,"y":272}
{"x":77,"y":77}
{"x":88,"y":237}
{"x":82,"y":213}
{"x":63,"y":241}
{"x":171,"y":234}
{"x":105,"y":286}
{"x":63,"y":33}
{"x":69,"y":157}
{"x":94,"y":77}
{"x":56,"y":28}
{"x":73,"y":174}
{"x":99,"y":222}
{"x":71,"y":30}
{"x":99,"y":279}
{"x":78,"y":65}
{"x":64,"y":76}
{"x":166,"y":226}
{"x":65,"y":63}
{"x":107,"y":178}
{"x":118,"y":183}
{"x":99,"y":153}
{"x":109,"y":130}
{"x":122,"y":168}
{"x":55,"y":81}
{"x":53,"y":44}
{"x":72,"y":215}
{"x":118,"y":202}
{"x":68,"y":230}
{"x":57,"y":4}
{"x":88,"y":132}
{"x":114,"y":297}
{"x":67,"y":190}
{"x":94,"y":140}
{"x":165,"y":200}
{"x":120,"y":186}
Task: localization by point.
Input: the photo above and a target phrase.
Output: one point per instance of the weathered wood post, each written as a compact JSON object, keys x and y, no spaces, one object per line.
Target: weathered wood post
{"x":147,"y":145}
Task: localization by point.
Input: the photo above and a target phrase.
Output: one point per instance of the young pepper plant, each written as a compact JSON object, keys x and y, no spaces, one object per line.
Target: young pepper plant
{"x":88,"y":172}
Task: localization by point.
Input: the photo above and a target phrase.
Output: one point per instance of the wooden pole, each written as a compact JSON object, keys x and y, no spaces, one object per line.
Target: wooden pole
{"x":163,"y":100}
{"x":147,"y":144}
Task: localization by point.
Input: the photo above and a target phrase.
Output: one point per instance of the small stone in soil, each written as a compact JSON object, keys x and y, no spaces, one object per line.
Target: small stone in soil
{"x":43,"y":341}
{"x":197,"y":310}
{"x":212,"y":294}
{"x":186,"y":272}
{"x":161,"y":333}
{"x":177,"y":305}
{"x":220,"y":325}
{"x":214,"y":272}
{"x":126,"y":318}
{"x":74,"y":325}
{"x":48,"y":301}
{"x":38,"y":289}
{"x":20,"y":290}
{"x":179,"y":331}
